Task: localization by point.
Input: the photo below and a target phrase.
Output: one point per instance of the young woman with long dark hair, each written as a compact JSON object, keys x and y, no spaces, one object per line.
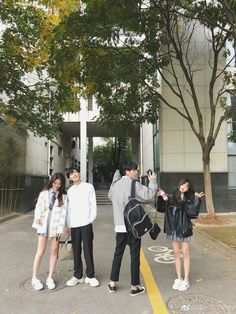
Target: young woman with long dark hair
{"x":49,"y":220}
{"x":179,"y":209}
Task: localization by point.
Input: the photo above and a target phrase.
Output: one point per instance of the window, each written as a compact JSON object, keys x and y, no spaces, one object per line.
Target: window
{"x":233,"y":64}
{"x":51,"y":161}
{"x":231,"y":59}
{"x":73,"y":144}
{"x":60,"y":151}
{"x":232,"y":120}
{"x":90,"y":103}
{"x":51,"y":150}
{"x":156,"y":157}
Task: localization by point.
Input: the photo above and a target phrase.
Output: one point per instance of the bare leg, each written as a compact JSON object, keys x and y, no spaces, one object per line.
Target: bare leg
{"x":53,"y":256}
{"x":176,"y":248}
{"x":42,"y":243}
{"x":186,"y":260}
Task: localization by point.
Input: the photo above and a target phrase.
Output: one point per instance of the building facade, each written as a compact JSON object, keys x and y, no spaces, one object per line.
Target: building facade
{"x":177,"y":151}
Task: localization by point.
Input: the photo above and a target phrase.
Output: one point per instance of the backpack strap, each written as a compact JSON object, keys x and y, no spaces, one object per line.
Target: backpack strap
{"x":115,"y":181}
{"x":132,"y":193}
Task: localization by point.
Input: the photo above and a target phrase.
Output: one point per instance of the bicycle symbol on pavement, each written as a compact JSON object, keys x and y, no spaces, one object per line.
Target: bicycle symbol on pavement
{"x":163,"y":254}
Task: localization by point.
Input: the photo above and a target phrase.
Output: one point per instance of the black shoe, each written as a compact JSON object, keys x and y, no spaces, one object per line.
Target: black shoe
{"x":137,"y":291}
{"x":111,"y":288}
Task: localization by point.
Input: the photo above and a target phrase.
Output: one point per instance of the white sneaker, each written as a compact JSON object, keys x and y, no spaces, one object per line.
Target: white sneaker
{"x":92,"y":281}
{"x":50,"y":283}
{"x":184,"y":286}
{"x":176,"y":284}
{"x":36,"y":284}
{"x":74,"y":281}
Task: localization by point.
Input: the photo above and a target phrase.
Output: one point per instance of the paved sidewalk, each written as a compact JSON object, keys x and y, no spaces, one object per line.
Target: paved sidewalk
{"x":212,"y":276}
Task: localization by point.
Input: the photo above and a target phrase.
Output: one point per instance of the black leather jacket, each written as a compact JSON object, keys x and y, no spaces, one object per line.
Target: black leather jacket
{"x":180,"y":222}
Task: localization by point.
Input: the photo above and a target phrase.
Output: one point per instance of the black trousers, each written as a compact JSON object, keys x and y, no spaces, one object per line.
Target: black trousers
{"x":83,"y":235}
{"x":122,"y":239}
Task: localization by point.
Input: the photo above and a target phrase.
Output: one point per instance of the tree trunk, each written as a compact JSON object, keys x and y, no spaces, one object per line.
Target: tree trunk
{"x":208,"y":187}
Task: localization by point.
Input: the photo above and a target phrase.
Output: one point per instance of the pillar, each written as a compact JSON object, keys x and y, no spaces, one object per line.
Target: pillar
{"x":90,"y":160}
{"x":83,"y":139}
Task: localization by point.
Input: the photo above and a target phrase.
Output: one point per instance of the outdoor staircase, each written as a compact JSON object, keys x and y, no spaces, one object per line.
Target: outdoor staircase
{"x":102,"y":198}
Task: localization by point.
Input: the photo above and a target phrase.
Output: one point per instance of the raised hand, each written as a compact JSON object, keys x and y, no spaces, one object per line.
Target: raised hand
{"x":199,"y":194}
{"x":152,"y":177}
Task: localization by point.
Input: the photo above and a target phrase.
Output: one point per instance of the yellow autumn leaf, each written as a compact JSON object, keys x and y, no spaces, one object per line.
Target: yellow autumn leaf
{"x":33,"y":61}
{"x":89,"y":87}
{"x":178,"y":25}
{"x":199,"y":280}
{"x":54,"y":19}
{"x":75,"y":89}
{"x":44,"y":55}
{"x":101,"y":52}
{"x":10,"y":119}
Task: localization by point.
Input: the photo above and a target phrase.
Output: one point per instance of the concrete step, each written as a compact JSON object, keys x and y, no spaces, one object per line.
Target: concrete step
{"x":102,"y":198}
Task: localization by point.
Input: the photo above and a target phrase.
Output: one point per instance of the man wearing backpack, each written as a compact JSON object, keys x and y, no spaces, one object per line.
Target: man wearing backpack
{"x":119,"y":194}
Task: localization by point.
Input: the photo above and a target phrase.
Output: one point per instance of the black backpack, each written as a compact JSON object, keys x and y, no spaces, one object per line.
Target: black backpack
{"x":137,"y":221}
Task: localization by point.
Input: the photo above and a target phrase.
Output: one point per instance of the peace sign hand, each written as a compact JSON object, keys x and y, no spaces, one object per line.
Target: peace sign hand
{"x":199,"y":194}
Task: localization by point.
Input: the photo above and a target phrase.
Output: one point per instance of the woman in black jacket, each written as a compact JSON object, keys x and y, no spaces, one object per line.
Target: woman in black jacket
{"x":179,"y":209}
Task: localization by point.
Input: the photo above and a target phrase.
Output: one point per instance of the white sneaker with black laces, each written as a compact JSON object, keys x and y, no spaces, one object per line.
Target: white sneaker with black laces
{"x":36,"y":284}
{"x":137,"y":291}
{"x":184,"y":285}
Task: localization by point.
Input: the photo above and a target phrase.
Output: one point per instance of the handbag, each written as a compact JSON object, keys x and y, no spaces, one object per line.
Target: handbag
{"x":193,"y":207}
{"x":154,"y":232}
{"x":161,"y":205}
{"x":65,"y":251}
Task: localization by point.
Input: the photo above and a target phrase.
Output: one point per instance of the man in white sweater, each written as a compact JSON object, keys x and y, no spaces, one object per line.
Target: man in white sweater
{"x":81,"y":213}
{"x":119,"y":194}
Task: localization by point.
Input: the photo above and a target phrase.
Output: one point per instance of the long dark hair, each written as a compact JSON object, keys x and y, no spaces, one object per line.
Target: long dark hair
{"x":54,"y":177}
{"x":187,"y":195}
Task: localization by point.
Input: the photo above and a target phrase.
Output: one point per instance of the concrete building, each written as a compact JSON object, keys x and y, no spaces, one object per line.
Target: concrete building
{"x":169,"y":146}
{"x":83,"y":125}
{"x":38,"y":159}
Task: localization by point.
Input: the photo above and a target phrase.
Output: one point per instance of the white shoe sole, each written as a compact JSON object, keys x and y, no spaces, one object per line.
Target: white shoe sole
{"x":184,"y":289}
{"x":69,"y":284}
{"x":134,"y":295}
{"x":51,"y":287}
{"x":92,"y":285}
{"x":36,"y":288}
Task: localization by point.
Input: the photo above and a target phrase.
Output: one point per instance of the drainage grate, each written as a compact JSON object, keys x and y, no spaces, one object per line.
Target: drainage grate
{"x":60,"y":278}
{"x":197,"y":304}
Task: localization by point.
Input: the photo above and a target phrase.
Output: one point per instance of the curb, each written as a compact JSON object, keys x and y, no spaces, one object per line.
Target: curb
{"x":9,"y":217}
{"x":220,"y":247}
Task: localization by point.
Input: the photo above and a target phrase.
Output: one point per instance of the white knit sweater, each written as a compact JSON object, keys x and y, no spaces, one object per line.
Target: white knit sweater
{"x":82,"y":205}
{"x":58,"y":217}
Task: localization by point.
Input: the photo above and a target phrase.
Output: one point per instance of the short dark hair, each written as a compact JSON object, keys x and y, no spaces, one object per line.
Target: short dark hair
{"x":70,"y":170}
{"x":130,"y":165}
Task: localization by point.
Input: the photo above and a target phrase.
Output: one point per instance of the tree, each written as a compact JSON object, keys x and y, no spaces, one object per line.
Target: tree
{"x":216,"y":13}
{"x":109,"y":157}
{"x":124,"y":44}
{"x":29,"y":98}
{"x":10,"y":153}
